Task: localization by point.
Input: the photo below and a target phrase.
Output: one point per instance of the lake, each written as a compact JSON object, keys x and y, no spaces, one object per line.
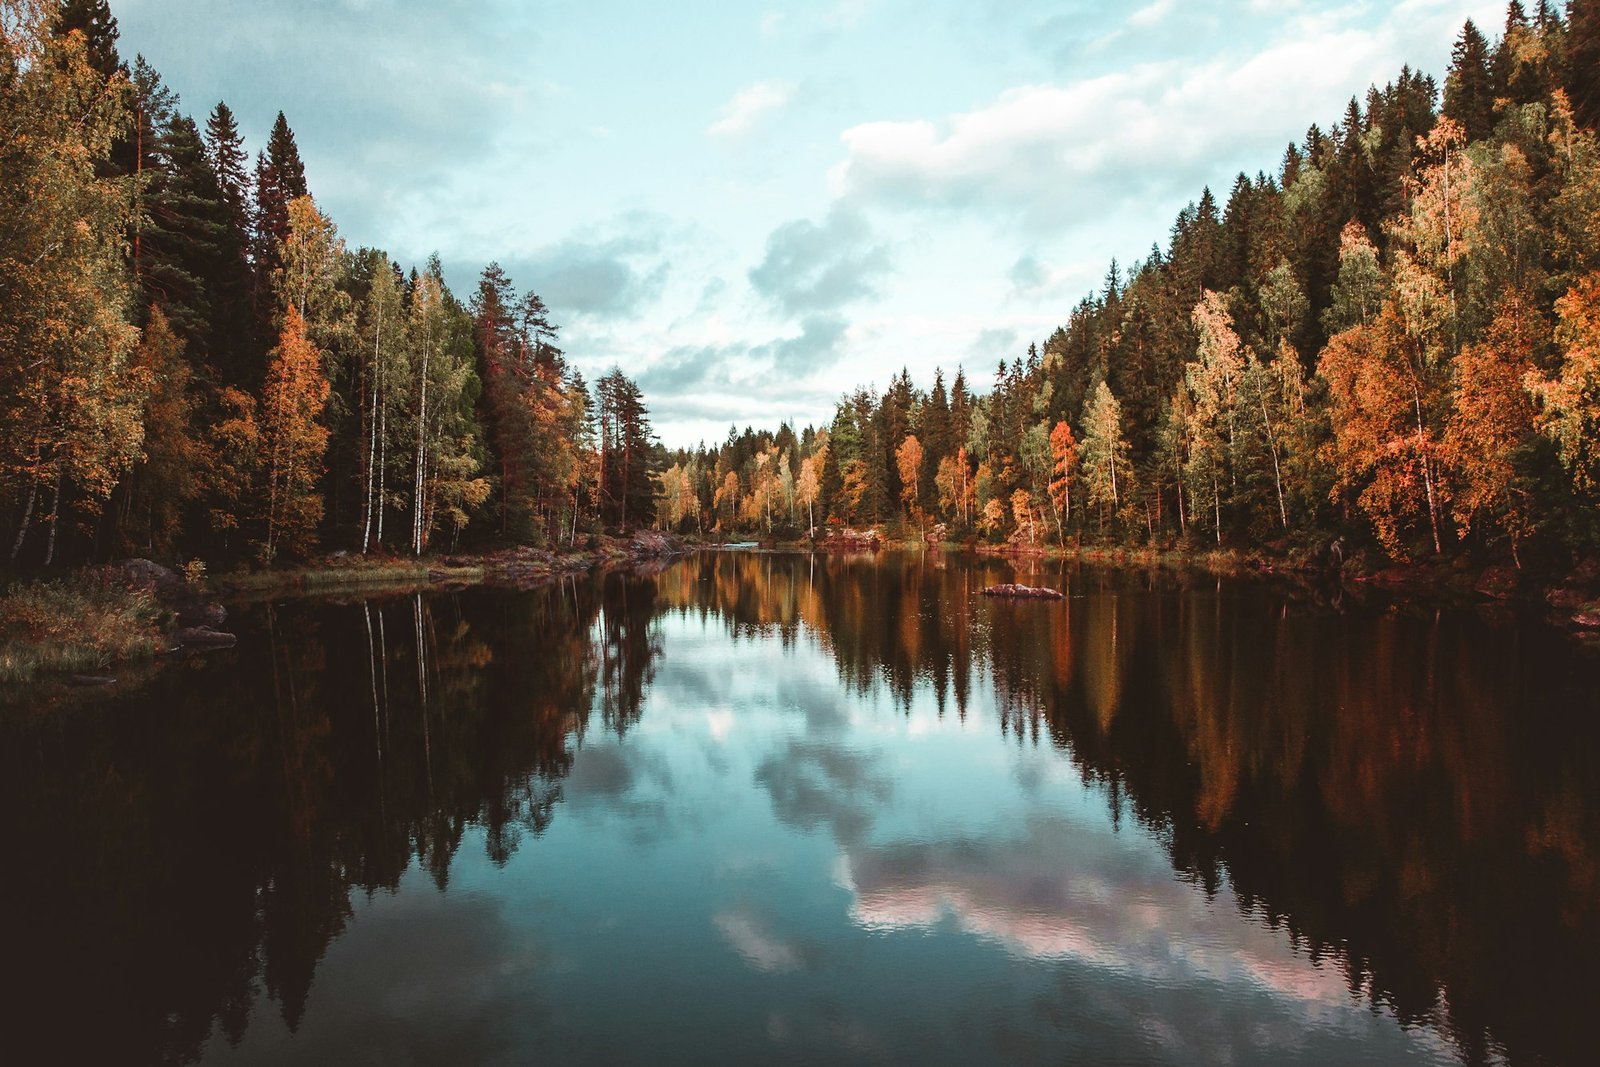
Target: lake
{"x":760,"y":808}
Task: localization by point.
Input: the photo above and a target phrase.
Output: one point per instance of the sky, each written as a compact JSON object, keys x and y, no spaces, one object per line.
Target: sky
{"x":754,"y":208}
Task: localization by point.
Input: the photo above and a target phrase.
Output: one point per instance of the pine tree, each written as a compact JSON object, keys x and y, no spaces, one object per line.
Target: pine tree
{"x":235,"y":345}
{"x":184,"y":253}
{"x":1469,"y":87}
{"x":1582,"y":60}
{"x":283,"y":155}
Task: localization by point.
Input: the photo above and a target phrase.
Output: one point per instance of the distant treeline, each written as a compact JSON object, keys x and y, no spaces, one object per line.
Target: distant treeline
{"x":192,"y":362}
{"x":1396,"y":338}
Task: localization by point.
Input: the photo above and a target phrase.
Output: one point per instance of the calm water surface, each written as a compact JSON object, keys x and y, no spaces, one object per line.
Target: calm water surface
{"x":779,"y":809}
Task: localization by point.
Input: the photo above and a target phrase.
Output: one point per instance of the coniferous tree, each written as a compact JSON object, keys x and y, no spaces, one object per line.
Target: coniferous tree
{"x":235,"y":351}
{"x":1582,"y":60}
{"x":1469,"y":87}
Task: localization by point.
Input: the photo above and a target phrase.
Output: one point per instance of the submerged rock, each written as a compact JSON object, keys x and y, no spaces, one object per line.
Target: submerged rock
{"x":90,"y":681}
{"x":202,"y":638}
{"x":1023,"y":592}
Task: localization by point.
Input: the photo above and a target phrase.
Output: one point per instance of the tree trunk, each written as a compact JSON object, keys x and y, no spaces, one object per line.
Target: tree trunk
{"x":422,"y":439}
{"x":55,"y":518}
{"x":1427,"y":471}
{"x":27,"y":512}
{"x":1272,"y":443}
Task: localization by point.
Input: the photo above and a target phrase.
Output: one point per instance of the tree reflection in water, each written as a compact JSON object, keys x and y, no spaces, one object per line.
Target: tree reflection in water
{"x":1411,"y":797}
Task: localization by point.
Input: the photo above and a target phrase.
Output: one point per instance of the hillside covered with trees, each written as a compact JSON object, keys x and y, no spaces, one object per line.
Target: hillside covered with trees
{"x":1394,"y":338}
{"x":193,"y":363}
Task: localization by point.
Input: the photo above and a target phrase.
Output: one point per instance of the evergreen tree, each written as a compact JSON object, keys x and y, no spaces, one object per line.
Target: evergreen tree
{"x":625,"y":450}
{"x":236,"y":347}
{"x":1469,"y":87}
{"x":1583,"y":60}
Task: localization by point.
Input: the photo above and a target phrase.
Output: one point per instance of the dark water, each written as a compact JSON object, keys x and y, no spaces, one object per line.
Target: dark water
{"x":775,"y":809}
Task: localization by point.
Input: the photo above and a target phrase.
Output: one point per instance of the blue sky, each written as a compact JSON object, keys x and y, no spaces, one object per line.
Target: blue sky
{"x":752,"y":208}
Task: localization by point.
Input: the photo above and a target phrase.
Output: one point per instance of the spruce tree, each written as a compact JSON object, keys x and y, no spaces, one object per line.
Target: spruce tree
{"x":1583,"y":61}
{"x":237,"y":352}
{"x":1469,"y":87}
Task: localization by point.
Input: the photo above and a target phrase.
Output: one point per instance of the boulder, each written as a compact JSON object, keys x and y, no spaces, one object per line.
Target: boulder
{"x":653,"y":544}
{"x":1565,"y":599}
{"x":1499,"y":583}
{"x":149,"y":575}
{"x":1023,"y":592}
{"x":201,"y":613}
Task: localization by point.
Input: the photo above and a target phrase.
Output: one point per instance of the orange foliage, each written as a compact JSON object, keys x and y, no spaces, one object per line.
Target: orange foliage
{"x":293,"y":439}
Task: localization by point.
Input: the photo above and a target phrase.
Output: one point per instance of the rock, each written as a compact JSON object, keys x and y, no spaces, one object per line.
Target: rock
{"x":1586,"y":575}
{"x":847,"y":540}
{"x":653,"y":544}
{"x":1023,"y":592}
{"x":203,"y":637}
{"x":200,"y":613}
{"x":1499,"y":583}
{"x":148,"y":574}
{"x":1564,"y":599}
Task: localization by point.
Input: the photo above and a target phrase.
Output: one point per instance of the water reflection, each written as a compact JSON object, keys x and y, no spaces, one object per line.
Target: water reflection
{"x":1205,"y":822}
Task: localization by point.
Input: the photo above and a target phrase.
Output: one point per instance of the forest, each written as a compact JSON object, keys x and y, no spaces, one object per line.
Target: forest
{"x":194,"y":364}
{"x":1394,"y":339}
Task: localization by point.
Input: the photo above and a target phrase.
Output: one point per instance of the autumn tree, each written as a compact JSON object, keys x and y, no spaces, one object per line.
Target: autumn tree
{"x":809,"y":485}
{"x":1492,"y":417}
{"x":1107,"y":470}
{"x":293,"y":440}
{"x":1212,"y":379}
{"x":1383,"y":450}
{"x":955,"y":486}
{"x":908,"y":463}
{"x":1569,"y":403}
{"x":1064,"y":471}
{"x":166,"y":479}
{"x":70,"y":402}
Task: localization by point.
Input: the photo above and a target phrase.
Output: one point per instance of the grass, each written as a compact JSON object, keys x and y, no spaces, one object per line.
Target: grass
{"x":85,"y":622}
{"x":332,"y":575}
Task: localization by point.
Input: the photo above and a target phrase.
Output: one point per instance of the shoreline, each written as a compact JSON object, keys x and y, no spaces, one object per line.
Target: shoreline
{"x":136,"y":613}
{"x":1569,"y":601}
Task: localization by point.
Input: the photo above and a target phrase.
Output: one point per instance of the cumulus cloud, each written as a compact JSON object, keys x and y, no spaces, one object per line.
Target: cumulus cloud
{"x":609,"y":272}
{"x":362,"y":90}
{"x":749,"y":106}
{"x":1056,"y":154}
{"x":811,"y":266}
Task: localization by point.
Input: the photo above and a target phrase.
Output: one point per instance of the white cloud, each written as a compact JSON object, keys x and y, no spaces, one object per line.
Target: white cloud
{"x":749,"y":106}
{"x":1152,"y":14}
{"x":1052,"y":155}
